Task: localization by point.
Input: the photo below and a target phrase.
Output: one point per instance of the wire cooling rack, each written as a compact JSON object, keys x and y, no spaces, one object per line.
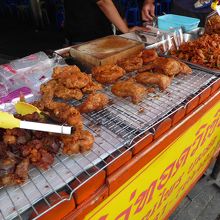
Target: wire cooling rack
{"x":113,"y":127}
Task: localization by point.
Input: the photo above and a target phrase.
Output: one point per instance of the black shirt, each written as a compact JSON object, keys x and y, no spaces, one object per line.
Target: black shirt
{"x":85,"y":21}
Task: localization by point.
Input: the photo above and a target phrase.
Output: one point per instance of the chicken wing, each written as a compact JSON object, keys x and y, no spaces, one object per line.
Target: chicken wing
{"x":131,"y":64}
{"x":185,"y":69}
{"x":76,"y":80}
{"x":161,"y":80}
{"x":60,"y":72}
{"x":168,"y":66}
{"x":78,"y":142}
{"x":92,"y":86}
{"x":48,"y":88}
{"x":149,"y":56}
{"x":129,"y":88}
{"x":107,"y":73}
{"x":65,"y":93}
{"x":38,"y":154}
{"x":14,"y":171}
{"x":65,"y":114}
{"x":94,"y":102}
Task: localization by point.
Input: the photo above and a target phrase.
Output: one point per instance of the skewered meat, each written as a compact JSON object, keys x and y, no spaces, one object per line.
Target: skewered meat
{"x":94,"y":102}
{"x":92,"y":86}
{"x":131,"y":64}
{"x":76,"y":80}
{"x":161,"y":80}
{"x":65,"y":93}
{"x":78,"y":142}
{"x":149,"y":56}
{"x":107,"y":73}
{"x":61,"y":72}
{"x":129,"y":88}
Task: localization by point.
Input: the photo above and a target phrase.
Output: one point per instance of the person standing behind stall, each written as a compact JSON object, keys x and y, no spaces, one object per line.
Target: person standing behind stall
{"x":180,"y":7}
{"x":86,"y":20}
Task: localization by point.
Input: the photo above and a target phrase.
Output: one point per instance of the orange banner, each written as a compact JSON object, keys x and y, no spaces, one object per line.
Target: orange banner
{"x":155,"y":190}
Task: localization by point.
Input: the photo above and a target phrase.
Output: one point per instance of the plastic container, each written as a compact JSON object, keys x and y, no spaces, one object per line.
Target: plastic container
{"x":212,"y":25}
{"x":171,"y":21}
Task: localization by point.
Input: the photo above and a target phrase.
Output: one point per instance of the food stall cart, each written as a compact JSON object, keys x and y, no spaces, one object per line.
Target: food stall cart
{"x":145,"y":159}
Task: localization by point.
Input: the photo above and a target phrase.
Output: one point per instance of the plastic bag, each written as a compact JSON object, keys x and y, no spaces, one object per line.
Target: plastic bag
{"x":30,"y":71}
{"x":212,"y":24}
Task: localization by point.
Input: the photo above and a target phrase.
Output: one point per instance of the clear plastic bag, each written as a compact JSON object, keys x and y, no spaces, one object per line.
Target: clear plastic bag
{"x":212,"y":24}
{"x":30,"y":71}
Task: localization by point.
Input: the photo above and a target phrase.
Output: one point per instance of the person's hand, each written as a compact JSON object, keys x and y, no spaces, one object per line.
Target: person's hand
{"x":137,"y":28}
{"x":148,"y":12}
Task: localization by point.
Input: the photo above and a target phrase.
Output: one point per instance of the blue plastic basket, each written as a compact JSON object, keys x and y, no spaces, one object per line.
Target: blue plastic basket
{"x":170,"y":21}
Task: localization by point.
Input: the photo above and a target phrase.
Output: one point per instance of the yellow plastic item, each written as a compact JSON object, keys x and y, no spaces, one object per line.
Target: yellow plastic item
{"x":215,"y":5}
{"x":8,"y":121}
{"x":24,"y":108}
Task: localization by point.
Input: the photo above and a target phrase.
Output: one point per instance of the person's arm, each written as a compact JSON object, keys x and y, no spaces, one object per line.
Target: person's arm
{"x":148,"y":10}
{"x":111,"y":12}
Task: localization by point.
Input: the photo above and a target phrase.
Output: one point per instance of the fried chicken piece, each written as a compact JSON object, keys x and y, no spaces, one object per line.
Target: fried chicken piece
{"x":131,"y":64}
{"x":145,"y":68}
{"x":21,"y":170}
{"x":184,"y":69}
{"x":13,"y":170}
{"x":92,"y":86}
{"x":168,"y":66}
{"x":39,"y":104}
{"x":40,"y":152}
{"x":78,"y":142}
{"x":35,"y":117}
{"x":61,"y":72}
{"x":107,"y":73}
{"x":129,"y":88}
{"x":212,"y":25}
{"x":66,"y":94}
{"x":149,"y":55}
{"x":3,"y":149}
{"x":16,"y":136}
{"x":48,"y":88}
{"x":161,"y":80}
{"x":75,"y":80}
{"x":94,"y":102}
{"x":203,"y":51}
{"x":65,"y":114}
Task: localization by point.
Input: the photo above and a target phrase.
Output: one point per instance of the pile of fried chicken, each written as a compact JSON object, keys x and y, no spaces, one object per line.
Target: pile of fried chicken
{"x":152,"y":71}
{"x":204,"y":51}
{"x":21,"y":148}
{"x":68,"y":82}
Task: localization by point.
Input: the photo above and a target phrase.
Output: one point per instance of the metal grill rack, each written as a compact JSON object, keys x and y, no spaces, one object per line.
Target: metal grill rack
{"x":113,"y":127}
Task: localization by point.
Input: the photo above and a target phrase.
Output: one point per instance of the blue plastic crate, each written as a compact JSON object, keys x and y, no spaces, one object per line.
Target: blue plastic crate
{"x":170,"y":21}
